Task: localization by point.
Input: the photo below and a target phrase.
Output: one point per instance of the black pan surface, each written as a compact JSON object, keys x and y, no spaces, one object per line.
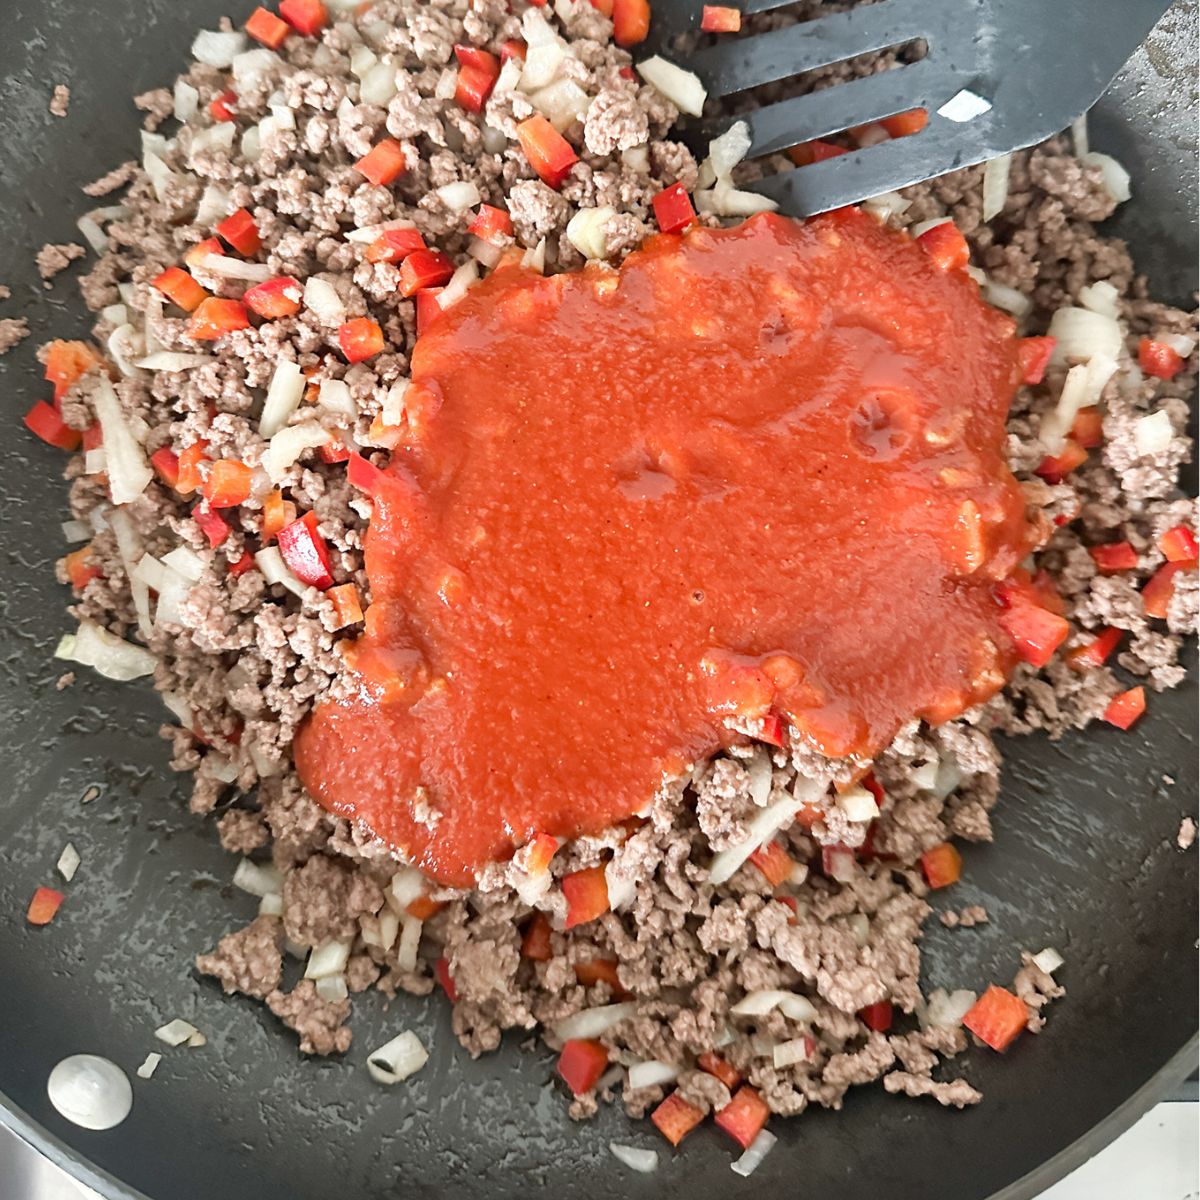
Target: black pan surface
{"x":1084,"y":858}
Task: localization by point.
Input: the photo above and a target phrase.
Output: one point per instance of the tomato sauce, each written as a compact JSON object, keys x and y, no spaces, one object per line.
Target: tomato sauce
{"x":758,"y":470}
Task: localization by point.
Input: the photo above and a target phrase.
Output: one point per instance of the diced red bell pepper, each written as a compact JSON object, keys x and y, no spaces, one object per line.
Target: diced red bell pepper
{"x":535,"y":942}
{"x":1088,"y":428}
{"x":473,"y":88}
{"x":1096,"y":652}
{"x":362,"y":474}
{"x":548,"y":152}
{"x":224,"y":106}
{"x":673,"y":209}
{"x":744,"y":1116}
{"x":81,"y":567}
{"x":395,"y":245}
{"x":906,"y":123}
{"x":513,"y":48}
{"x":716,"y":1066}
{"x":1033,"y":354}
{"x":1158,"y":359}
{"x":717,"y":18}
{"x":45,"y":421}
{"x":772,"y":730}
{"x":1125,"y":708}
{"x":305,"y":552}
{"x":875,"y":788}
{"x":212,"y":524}
{"x":587,"y":895}
{"x":383,"y":164}
{"x":267,"y":28}
{"x":45,"y":904}
{"x":180,"y":288}
{"x":942,"y":865}
{"x":581,"y":1063}
{"x":1179,"y":545}
{"x":308,"y":17}
{"x":66,"y":362}
{"x":277,"y":513}
{"x":187,"y":473}
{"x":946,"y":245}
{"x":441,"y":970}
{"x":429,"y":308}
{"x":491,"y":224}
{"x":273,"y":298}
{"x":603,"y":6}
{"x":240,"y":231}
{"x":542,"y":849}
{"x":93,"y":437}
{"x":214,"y":318}
{"x":997,"y":1017}
{"x":201,"y":250}
{"x":627,"y":73}
{"x":600,"y":970}
{"x":675,"y":1118}
{"x":423,"y":907}
{"x":242,"y":565}
{"x":877,"y":1016}
{"x":815,"y":151}
{"x":631,"y":21}
{"x":347,"y":607}
{"x":1113,"y":557}
{"x":334,"y":452}
{"x":774,"y":862}
{"x":1035,"y":632}
{"x":473,"y":56}
{"x":1156,"y":595}
{"x":1055,"y":468}
{"x":228,"y":483}
{"x":166,"y":464}
{"x":424,"y":269}
{"x":360,"y":339}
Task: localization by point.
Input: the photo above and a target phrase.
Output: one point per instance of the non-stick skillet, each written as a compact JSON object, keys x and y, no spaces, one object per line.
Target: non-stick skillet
{"x":1084,"y":860}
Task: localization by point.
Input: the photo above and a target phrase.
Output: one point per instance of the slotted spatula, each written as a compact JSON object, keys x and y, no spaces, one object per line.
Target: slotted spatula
{"x":1036,"y":65}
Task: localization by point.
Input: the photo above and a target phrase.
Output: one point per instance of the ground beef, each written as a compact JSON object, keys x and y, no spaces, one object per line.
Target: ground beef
{"x":13,"y":330}
{"x":60,"y":100}
{"x":964,"y":918}
{"x":53,"y":258}
{"x":248,"y":659}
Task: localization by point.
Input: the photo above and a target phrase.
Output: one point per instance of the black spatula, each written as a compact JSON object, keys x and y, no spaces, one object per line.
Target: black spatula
{"x":1025,"y":68}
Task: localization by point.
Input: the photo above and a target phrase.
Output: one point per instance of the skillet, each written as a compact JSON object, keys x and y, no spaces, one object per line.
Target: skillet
{"x":1084,"y":858}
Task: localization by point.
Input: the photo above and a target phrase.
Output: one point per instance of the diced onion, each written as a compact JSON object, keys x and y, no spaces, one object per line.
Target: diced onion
{"x":289,"y":444}
{"x":214,"y":204}
{"x":149,"y":1065}
{"x":726,"y":201}
{"x":329,"y":958}
{"x":541,"y":65}
{"x":251,"y":67}
{"x":562,"y":102}
{"x":995,"y":185}
{"x":407,"y":885}
{"x":275,"y":570}
{"x":753,"y":1155}
{"x":115,"y":314}
{"x":93,"y":234}
{"x":398,"y":1059}
{"x":1152,"y":434}
{"x":1183,"y":345}
{"x":1116,"y":178}
{"x":726,"y":151}
{"x":637,"y":159}
{"x":1079,"y":135}
{"x":1101,"y":297}
{"x":366,"y":234}
{"x":682,"y":88}
{"x":69,"y":860}
{"x":379,"y":84}
{"x":362,"y":59}
{"x":173,"y":360}
{"x":651,"y":1073}
{"x":176,"y":1032}
{"x":536,"y":29}
{"x":921,"y":227}
{"x":484,"y":252}
{"x":622,"y":887}
{"x":264,"y":764}
{"x":234,"y":268}
{"x":161,"y":176}
{"x":963,"y":106}
{"x":587,"y":231}
{"x":218,"y":48}
{"x":761,"y":773}
{"x":946,"y":1011}
{"x":392,"y":410}
{"x":332,"y":988}
{"x":76,"y":531}
{"x":1048,"y":960}
{"x":786,"y":1054}
{"x":1008,"y":298}
{"x":334,"y":396}
{"x":762,"y":827}
{"x":131,"y":550}
{"x":125,"y":344}
{"x":534,"y":259}
{"x":410,"y":939}
{"x":219,"y":767}
{"x":592,"y":1022}
{"x":259,"y":879}
{"x":635,"y":1158}
{"x":128,"y":470}
{"x":95,"y":461}
{"x":110,"y":656}
{"x":1082,"y":387}
{"x":761,"y":1002}
{"x":857,"y":804}
{"x":1081,"y":333}
{"x":284,"y":394}
{"x":213,"y":137}
{"x":887,"y":205}
{"x":860,"y":926}
{"x":187,"y":101}
{"x":447,"y":83}
{"x":185,"y":561}
{"x":322,"y":298}
{"x":460,"y":283}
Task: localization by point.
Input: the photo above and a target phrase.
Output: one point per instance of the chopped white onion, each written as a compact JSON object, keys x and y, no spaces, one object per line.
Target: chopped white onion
{"x":332,"y":988}
{"x":176,"y":1032}
{"x":234,"y":268}
{"x":264,"y":764}
{"x":218,"y":48}
{"x":1183,"y":345}
{"x":251,"y":67}
{"x":494,"y":140}
{"x":366,"y":234}
{"x":637,"y":159}
{"x":1048,"y":960}
{"x":484,"y":252}
{"x":562,"y":102}
{"x":407,"y":885}
{"x":1082,"y":388}
{"x":69,"y":860}
{"x":541,"y":65}
{"x":762,"y":1001}
{"x":409,"y":928}
{"x":275,"y":570}
{"x":860,"y":926}
{"x":187,"y":101}
{"x":175,"y":703}
{"x":1081,"y":333}
{"x":761,"y":773}
{"x":460,"y":283}
{"x":1152,"y":434}
{"x":536,"y":29}
{"x":271,"y":905}
{"x":124,"y":345}
{"x":259,"y":879}
{"x":90,"y":1091}
{"x":636,"y":1159}
{"x":149,"y":1065}
{"x":93,"y":234}
{"x":726,"y":151}
{"x":115,"y":314}
{"x":921,"y":227}
{"x":622,"y":887}
{"x":334,"y":396}
{"x":173,"y":360}
{"x":682,"y":88}
{"x":128,"y":470}
{"x":289,"y":444}
{"x":787,"y":1054}
{"x":379,"y":84}
{"x":887,"y":205}
{"x":185,"y":561}
{"x":398,"y":1059}
{"x":963,"y":106}
{"x":362,"y":59}
{"x":95,"y":461}
{"x":329,"y":958}
{"x":728,"y":201}
{"x":946,"y":1011}
{"x":161,"y":176}
{"x":858,"y":804}
{"x":214,"y":204}
{"x":587,"y":231}
{"x":322,"y":298}
{"x":995,"y":185}
{"x":392,"y":410}
{"x":110,"y":656}
{"x":534,"y":259}
{"x":1007,"y":298}
{"x":213,"y":137}
{"x":1101,"y":297}
{"x":1116,"y":178}
{"x":447,"y":83}
{"x":592,"y":1022}
{"x":753,"y":1155}
{"x":761,"y":828}
{"x":76,"y":531}
{"x":284,"y":394}
{"x":1079,"y":135}
{"x":651,"y":1073}
{"x":131,"y":550}
{"x":219,"y":767}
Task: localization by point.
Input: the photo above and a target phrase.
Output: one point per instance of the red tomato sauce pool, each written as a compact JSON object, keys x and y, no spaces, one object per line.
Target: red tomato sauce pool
{"x":756,"y":471}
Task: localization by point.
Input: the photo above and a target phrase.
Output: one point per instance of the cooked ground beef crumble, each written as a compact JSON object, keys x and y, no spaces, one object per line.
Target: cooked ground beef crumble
{"x":247,"y":659}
